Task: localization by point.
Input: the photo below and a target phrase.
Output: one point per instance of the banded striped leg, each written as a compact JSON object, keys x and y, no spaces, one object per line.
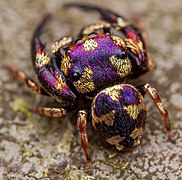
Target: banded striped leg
{"x":65,"y":41}
{"x":146,"y":39}
{"x":95,"y":27}
{"x":27,"y":80}
{"x":49,"y":112}
{"x":134,"y":40}
{"x":163,"y":111}
{"x":81,"y":123}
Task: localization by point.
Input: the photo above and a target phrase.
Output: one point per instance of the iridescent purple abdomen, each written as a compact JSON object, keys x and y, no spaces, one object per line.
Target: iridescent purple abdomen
{"x":119,"y":114}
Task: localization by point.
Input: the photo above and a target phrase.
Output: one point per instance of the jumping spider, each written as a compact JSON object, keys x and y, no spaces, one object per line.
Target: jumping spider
{"x":92,"y":71}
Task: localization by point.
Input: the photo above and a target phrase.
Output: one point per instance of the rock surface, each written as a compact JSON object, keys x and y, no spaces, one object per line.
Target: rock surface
{"x":35,"y":147}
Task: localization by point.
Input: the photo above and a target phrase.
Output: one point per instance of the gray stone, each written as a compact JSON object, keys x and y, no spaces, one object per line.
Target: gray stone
{"x":35,"y":147}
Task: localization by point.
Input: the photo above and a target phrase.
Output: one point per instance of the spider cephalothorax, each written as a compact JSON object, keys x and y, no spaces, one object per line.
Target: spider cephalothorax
{"x":91,"y":75}
{"x":96,"y":61}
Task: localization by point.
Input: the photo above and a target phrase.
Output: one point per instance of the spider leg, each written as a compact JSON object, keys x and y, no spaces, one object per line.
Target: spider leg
{"x":58,"y":45}
{"x":117,"y":21}
{"x":49,"y":75}
{"x":163,"y":111}
{"x":81,"y":123}
{"x":95,"y":27}
{"x":105,"y":13}
{"x":49,"y":112}
{"x":141,"y":29}
{"x":140,"y":26}
{"x":135,"y":42}
{"x":27,"y":80}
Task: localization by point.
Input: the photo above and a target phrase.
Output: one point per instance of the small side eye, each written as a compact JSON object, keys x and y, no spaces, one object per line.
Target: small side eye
{"x":124,"y":54}
{"x":121,"y":54}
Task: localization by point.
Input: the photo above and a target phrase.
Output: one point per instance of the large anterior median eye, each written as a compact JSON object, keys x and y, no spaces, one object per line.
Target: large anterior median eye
{"x":75,"y":75}
{"x":83,"y":79}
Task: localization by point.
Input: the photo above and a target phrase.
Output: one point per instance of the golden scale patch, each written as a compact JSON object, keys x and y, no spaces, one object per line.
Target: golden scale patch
{"x":113,"y":92}
{"x":123,"y":66}
{"x":133,"y":110}
{"x":90,"y":45}
{"x":115,"y":140}
{"x":118,"y":41}
{"x":59,"y":82}
{"x":66,"y":64}
{"x":135,"y":47}
{"x":137,"y":135}
{"x":85,"y":83}
{"x":42,"y":59}
{"x":106,"y":118}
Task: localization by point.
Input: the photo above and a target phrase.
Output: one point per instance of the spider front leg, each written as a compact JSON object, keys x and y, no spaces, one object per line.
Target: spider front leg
{"x":55,"y":48}
{"x":81,"y":124}
{"x":48,"y":73}
{"x":163,"y":111}
{"x":27,"y":80}
{"x":49,"y":112}
{"x":141,"y":61}
{"x":95,"y":27}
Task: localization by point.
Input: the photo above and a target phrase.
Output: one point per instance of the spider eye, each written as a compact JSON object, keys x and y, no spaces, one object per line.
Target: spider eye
{"x":76,"y":75}
{"x":121,"y":55}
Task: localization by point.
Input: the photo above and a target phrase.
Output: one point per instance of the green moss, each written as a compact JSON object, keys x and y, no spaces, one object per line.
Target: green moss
{"x":22,"y":106}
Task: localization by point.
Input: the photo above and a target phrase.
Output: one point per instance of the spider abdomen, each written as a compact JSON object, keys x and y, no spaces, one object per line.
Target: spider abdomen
{"x":119,"y":114}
